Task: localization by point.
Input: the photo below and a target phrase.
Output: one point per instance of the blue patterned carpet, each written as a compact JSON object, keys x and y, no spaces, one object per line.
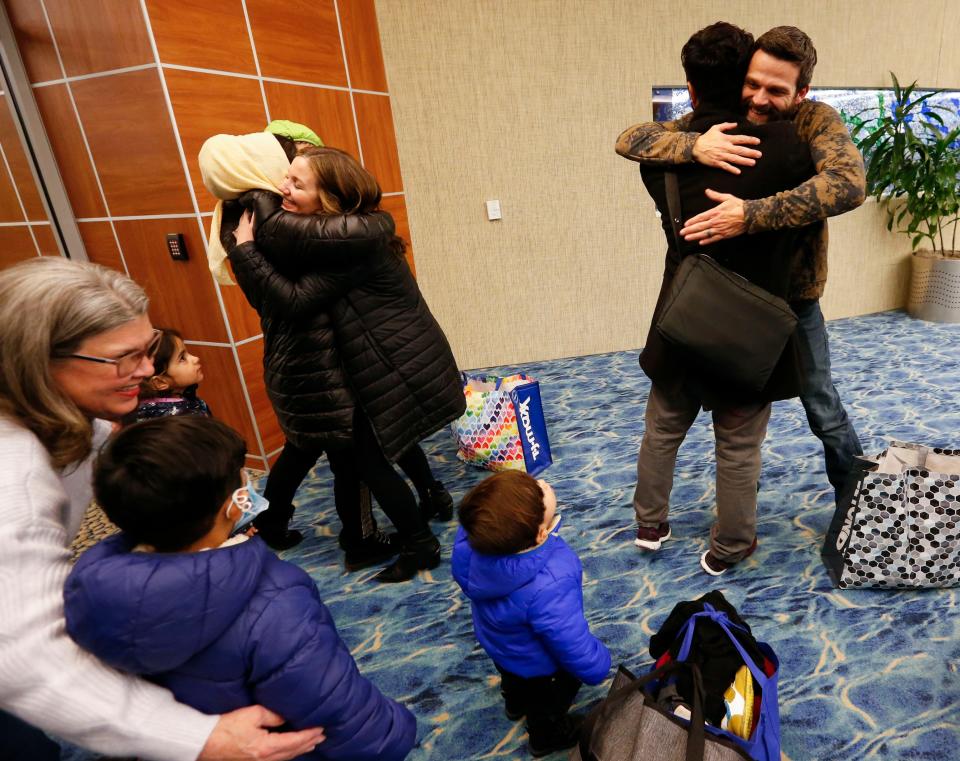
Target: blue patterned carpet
{"x":864,"y":674}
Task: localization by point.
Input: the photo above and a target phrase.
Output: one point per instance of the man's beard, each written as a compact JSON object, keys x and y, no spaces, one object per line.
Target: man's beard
{"x":772,"y":113}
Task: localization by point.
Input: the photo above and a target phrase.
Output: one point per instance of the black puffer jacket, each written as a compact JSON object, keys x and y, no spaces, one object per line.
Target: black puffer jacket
{"x":396,"y":358}
{"x":302,"y":370}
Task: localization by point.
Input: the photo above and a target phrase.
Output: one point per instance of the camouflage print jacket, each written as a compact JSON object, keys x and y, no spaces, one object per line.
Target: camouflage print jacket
{"x":837,"y":187}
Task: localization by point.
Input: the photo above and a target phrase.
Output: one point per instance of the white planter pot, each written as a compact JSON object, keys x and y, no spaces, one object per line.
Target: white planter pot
{"x":935,"y":288}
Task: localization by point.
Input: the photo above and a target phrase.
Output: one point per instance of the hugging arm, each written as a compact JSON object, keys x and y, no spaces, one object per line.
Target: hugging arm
{"x":669,"y":143}
{"x":838,"y":186}
{"x":270,"y":291}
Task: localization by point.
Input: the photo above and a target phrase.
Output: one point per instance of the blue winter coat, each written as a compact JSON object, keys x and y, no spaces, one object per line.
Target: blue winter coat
{"x":528,"y":609}
{"x":228,"y":628}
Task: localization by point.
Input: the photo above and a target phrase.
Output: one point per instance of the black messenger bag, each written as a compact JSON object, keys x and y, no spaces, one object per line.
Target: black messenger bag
{"x":722,"y":323}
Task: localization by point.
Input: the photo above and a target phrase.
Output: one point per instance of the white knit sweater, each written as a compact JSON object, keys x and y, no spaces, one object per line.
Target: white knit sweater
{"x":45,"y":679}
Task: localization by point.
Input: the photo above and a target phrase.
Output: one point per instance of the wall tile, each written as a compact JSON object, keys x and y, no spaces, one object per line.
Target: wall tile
{"x":361,"y":37}
{"x":375,"y":122}
{"x":100,"y":245}
{"x":33,"y":40}
{"x":99,"y":35}
{"x":254,"y":463}
{"x":182,"y":31}
{"x":10,"y":210}
{"x":221,"y":387}
{"x":244,"y":320}
{"x":15,"y":245}
{"x":298,"y":40}
{"x":71,"y":154}
{"x":182,"y":294}
{"x":128,"y":127}
{"x":326,"y":112}
{"x":397,"y":208}
{"x":209,"y":104}
{"x":19,"y":165}
{"x":251,"y":362}
{"x":46,"y":242}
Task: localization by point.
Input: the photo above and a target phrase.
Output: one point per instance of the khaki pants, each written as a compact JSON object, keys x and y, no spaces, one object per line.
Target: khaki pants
{"x":739,"y":433}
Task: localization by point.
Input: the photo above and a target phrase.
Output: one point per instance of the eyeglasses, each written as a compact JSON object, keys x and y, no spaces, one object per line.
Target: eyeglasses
{"x":128,"y":362}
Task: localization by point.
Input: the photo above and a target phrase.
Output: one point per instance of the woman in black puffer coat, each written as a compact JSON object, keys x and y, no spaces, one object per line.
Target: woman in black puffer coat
{"x":339,"y":257}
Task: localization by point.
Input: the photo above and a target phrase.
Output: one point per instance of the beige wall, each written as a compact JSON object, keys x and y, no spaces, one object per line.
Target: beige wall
{"x":522,"y":100}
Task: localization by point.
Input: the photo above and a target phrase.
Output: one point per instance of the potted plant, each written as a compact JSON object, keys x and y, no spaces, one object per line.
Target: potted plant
{"x":913,"y":167}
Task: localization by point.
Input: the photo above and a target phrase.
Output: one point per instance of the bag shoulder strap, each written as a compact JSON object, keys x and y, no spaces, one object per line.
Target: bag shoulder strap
{"x":672,"y":187}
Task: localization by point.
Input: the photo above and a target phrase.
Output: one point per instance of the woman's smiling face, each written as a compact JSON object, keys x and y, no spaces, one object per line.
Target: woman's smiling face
{"x":97,"y":388}
{"x":299,"y":189}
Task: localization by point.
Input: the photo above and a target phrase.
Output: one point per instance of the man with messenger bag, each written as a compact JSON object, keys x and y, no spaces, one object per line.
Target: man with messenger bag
{"x":775,"y":89}
{"x":687,"y":376}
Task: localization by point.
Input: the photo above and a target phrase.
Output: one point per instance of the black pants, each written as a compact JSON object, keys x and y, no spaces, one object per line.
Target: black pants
{"x":386,"y":485}
{"x":352,"y":504}
{"x":544,"y":700}
{"x":21,"y":742}
{"x":286,"y":475}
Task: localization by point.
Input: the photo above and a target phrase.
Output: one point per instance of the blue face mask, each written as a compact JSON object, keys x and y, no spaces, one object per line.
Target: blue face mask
{"x":250,"y":502}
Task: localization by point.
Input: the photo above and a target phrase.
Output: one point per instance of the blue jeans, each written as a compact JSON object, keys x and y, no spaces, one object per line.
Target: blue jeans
{"x":825,"y":413}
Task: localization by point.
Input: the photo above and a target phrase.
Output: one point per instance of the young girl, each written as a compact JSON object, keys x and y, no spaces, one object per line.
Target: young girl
{"x":172,"y":389}
{"x":337,"y":255}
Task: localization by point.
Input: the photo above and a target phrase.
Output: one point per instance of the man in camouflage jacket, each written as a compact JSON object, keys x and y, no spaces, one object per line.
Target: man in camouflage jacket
{"x":775,"y":87}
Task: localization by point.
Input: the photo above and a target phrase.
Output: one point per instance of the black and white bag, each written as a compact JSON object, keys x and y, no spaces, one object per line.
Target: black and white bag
{"x":898,"y":523}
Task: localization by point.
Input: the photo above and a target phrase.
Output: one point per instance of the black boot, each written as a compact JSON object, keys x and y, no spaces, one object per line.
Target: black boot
{"x":282,"y":539}
{"x":420,"y":551}
{"x":371,"y":550}
{"x":436,"y":504}
{"x":553,"y":734}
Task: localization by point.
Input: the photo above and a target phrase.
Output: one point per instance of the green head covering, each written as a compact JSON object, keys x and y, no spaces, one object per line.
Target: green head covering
{"x":294,"y":131}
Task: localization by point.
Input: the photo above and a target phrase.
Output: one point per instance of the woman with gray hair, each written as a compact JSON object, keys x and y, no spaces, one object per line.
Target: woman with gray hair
{"x":75,"y":342}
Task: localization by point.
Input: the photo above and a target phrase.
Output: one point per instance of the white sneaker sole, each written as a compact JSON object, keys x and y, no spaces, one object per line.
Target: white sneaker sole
{"x":707,"y":568}
{"x":644,"y":544}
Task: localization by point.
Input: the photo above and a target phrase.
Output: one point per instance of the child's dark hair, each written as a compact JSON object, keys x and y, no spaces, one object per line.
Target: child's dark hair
{"x":163,"y":480}
{"x":502,"y":514}
{"x":166,"y":348}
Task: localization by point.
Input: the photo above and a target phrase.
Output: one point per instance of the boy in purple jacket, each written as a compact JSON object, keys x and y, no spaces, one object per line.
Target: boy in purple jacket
{"x":525,"y":586}
{"x":213,"y":615}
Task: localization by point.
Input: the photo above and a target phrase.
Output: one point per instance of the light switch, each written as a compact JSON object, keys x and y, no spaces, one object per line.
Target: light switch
{"x":493,"y":210}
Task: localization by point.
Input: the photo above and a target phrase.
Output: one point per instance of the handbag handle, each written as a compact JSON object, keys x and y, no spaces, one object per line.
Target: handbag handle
{"x":696,"y":741}
{"x":723,"y":621}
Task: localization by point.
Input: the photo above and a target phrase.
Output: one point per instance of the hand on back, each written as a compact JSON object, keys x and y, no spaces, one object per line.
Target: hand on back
{"x":718,"y":149}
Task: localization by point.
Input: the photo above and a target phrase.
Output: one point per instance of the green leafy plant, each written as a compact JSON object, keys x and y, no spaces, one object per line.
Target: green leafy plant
{"x":913,"y":166}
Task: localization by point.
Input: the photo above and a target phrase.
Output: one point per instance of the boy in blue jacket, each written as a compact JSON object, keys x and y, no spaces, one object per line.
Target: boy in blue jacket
{"x":223,"y":628}
{"x":525,"y":586}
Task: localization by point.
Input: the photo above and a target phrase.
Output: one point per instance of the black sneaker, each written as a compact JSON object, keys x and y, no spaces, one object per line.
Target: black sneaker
{"x":420,"y":552}
{"x":438,"y":506}
{"x":372,"y":550}
{"x":562,"y":734}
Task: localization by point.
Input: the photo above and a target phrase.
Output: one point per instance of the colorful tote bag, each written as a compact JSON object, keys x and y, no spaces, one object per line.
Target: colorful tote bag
{"x":503,"y":427}
{"x":898,"y":521}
